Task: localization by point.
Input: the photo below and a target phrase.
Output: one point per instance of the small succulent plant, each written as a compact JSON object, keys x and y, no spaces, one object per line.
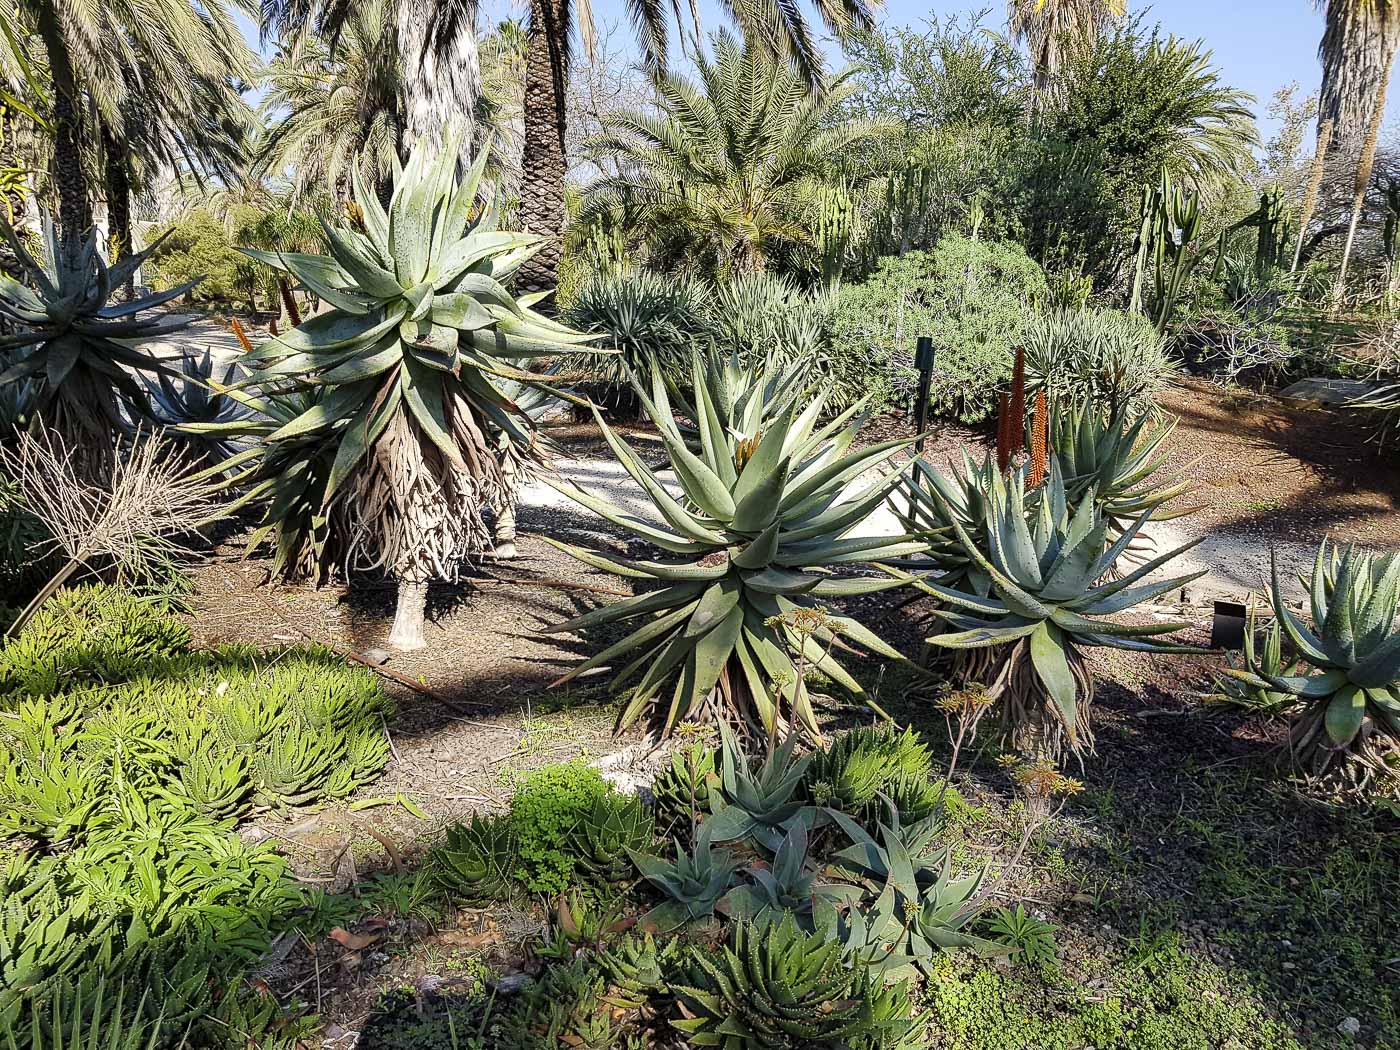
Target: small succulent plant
{"x":776,"y":987}
{"x":759,"y":802}
{"x":1268,"y":661}
{"x":475,"y":862}
{"x":603,"y":837}
{"x":788,"y":885}
{"x":682,"y":789}
{"x":694,"y":883}
{"x":859,"y":767}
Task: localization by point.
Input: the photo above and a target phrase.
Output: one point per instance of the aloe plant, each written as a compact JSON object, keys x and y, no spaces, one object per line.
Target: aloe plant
{"x":80,"y":348}
{"x":775,"y":987}
{"x":788,"y":885}
{"x":759,"y":801}
{"x":1116,"y":459}
{"x":1347,"y":712}
{"x":1045,"y":599}
{"x":920,"y":910}
{"x":764,"y":520}
{"x":405,"y":372}
{"x":1266,"y":659}
{"x":694,"y":883}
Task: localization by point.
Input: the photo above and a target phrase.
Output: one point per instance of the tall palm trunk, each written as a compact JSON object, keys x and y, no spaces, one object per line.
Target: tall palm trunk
{"x":118,"y":180}
{"x":1364,"y":165}
{"x":440,"y":89}
{"x":74,"y":208}
{"x":1315,"y":173}
{"x":1357,"y":50}
{"x":544,"y":165}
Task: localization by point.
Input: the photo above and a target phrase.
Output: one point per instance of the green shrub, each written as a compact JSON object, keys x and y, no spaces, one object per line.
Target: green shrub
{"x":200,"y":244}
{"x":101,"y":689}
{"x":653,"y":320}
{"x":548,"y":805}
{"x":973,"y":298}
{"x":1105,"y":357}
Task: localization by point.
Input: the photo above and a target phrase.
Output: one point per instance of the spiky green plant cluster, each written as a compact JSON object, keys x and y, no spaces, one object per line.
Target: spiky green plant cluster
{"x":1346,"y":705}
{"x":476,"y":861}
{"x":1037,"y":596}
{"x":863,"y":768}
{"x":693,"y":884}
{"x":156,"y":896}
{"x":654,"y":322}
{"x":1267,"y":661}
{"x":752,"y":544}
{"x":775,"y":987}
{"x":788,"y":886}
{"x":605,"y":835}
{"x":1116,"y":460}
{"x":100,"y":690}
{"x":759,"y":800}
{"x":682,"y":789}
{"x":920,"y":910}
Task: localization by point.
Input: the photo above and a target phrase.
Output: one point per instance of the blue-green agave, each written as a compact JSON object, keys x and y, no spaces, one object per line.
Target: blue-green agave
{"x":1347,"y":710}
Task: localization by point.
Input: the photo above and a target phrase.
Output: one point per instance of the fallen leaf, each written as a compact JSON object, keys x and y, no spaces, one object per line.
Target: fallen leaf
{"x":462,"y":939}
{"x":353,"y":941}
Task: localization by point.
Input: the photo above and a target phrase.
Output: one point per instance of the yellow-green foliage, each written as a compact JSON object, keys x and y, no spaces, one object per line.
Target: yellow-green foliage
{"x":101,"y":689}
{"x":548,"y":805}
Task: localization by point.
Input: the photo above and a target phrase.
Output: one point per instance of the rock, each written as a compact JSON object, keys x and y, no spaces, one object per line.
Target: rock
{"x":511,"y":983}
{"x":376,"y":657}
{"x":1350,"y":1027}
{"x":254,"y":835}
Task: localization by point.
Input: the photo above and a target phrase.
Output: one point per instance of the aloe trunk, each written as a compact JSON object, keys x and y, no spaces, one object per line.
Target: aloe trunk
{"x":407,"y":633}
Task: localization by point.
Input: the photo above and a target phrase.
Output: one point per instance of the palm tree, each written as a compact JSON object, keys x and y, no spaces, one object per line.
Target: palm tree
{"x":778,"y":24}
{"x":333,"y":108}
{"x":1358,"y":48}
{"x":1046,"y":26}
{"x":723,"y":176}
{"x":156,"y":83}
{"x":434,"y":43}
{"x":331,"y":111}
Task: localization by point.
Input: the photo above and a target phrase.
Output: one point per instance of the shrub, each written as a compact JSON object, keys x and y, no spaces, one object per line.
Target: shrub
{"x":972,"y":297}
{"x":653,"y":320}
{"x":199,"y":244}
{"x":1108,"y":358}
{"x":548,"y":805}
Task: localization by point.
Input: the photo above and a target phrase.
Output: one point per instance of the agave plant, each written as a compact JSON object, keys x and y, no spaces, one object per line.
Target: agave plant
{"x":651,"y":319}
{"x":407,"y":365}
{"x":1044,"y":601}
{"x":694,"y":883}
{"x":920,"y":910}
{"x":759,"y":801}
{"x":775,"y":986}
{"x":196,"y":394}
{"x":1347,"y":722}
{"x":81,"y":349}
{"x":787,"y":885}
{"x":764,"y":520}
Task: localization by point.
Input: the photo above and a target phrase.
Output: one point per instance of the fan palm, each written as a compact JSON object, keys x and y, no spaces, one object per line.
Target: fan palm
{"x":159,"y":83}
{"x":341,"y":108}
{"x":434,"y":47}
{"x":721,"y":176}
{"x":1045,"y":26}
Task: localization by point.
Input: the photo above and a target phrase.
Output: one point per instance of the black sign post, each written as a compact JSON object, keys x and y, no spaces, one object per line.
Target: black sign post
{"x":923,"y":361}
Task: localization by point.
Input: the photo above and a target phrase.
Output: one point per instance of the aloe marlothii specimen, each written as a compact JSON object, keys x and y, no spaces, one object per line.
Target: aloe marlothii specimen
{"x":764,"y":519}
{"x":1044,"y":601}
{"x":79,"y":348}
{"x":1347,"y":710}
{"x":405,"y":370}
